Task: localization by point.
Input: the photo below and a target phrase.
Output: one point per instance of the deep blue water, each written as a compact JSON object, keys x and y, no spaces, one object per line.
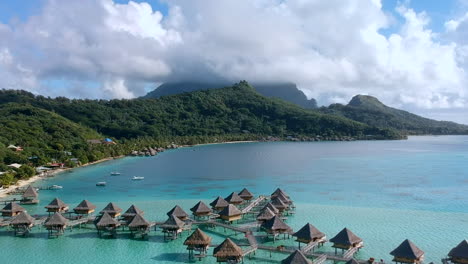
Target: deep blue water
{"x":385,"y":191}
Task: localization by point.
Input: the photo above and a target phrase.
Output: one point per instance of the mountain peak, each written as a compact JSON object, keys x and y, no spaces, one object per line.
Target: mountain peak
{"x":365,"y":101}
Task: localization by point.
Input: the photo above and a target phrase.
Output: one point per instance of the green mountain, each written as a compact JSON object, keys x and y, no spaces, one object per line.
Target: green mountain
{"x":371,"y":111}
{"x":286,"y":91}
{"x":235,"y":110}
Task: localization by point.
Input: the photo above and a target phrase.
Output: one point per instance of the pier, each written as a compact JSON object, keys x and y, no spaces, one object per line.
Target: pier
{"x":109,"y":221}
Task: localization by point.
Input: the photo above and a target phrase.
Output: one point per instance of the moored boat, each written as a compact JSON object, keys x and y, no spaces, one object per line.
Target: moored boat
{"x":101,"y":184}
{"x":115,"y":173}
{"x":137,"y":178}
{"x":55,"y":187}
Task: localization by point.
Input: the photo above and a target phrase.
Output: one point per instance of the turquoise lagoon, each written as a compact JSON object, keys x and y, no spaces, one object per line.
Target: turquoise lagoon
{"x":384,"y":191}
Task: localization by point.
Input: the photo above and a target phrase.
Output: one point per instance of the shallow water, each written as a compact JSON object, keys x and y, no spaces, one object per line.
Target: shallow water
{"x":384,"y":191}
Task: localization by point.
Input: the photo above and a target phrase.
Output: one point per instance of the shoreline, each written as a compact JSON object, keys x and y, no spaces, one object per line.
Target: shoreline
{"x":22,"y":183}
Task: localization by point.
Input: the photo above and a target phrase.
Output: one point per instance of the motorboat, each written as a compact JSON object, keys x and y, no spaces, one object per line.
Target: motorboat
{"x":137,"y":178}
{"x":101,"y":184}
{"x":115,"y":173}
{"x":55,"y":187}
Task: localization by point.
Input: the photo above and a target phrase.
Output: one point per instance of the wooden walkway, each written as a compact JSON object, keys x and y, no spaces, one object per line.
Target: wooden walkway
{"x":350,"y":252}
{"x":253,"y":204}
{"x":309,"y":246}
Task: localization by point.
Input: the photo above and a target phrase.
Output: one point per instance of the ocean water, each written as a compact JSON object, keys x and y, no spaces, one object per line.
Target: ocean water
{"x":384,"y":191}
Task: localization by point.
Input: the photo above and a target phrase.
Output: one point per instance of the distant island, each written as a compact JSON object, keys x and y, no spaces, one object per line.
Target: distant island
{"x":38,"y":131}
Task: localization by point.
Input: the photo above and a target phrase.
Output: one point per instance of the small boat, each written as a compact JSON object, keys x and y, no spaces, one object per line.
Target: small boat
{"x":101,"y":184}
{"x":115,"y":173}
{"x":55,"y":187}
{"x":137,"y":178}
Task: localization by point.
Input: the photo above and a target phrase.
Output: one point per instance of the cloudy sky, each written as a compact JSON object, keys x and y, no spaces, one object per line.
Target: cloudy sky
{"x":410,"y":54}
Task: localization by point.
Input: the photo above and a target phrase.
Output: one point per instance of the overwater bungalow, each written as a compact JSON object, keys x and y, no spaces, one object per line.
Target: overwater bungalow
{"x":265,"y":214}
{"x":178,"y":212}
{"x":22,"y":223}
{"x":56,"y":206}
{"x":219,"y":204}
{"x":139,"y":226}
{"x":275,"y":226}
{"x":308,"y":234}
{"x":12,"y":209}
{"x":277,"y":192}
{"x":201,"y":209}
{"x":172,"y":227}
{"x":228,"y":251}
{"x":112,"y":209}
{"x":345,"y":240}
{"x":270,"y":206}
{"x":84,"y":208}
{"x":297,"y":257}
{"x":278,"y":204}
{"x":107,"y":224}
{"x":234,"y":198}
{"x":131,"y":212}
{"x":246,"y":195}
{"x":283,"y":198}
{"x":198,"y":241}
{"x":56,"y":224}
{"x":230,"y":213}
{"x":407,"y":252}
{"x":30,"y":196}
{"x":459,"y":254}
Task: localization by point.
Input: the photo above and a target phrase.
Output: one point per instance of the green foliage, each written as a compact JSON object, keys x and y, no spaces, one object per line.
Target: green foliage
{"x":25,"y":172}
{"x":371,"y":111}
{"x":7,"y":179}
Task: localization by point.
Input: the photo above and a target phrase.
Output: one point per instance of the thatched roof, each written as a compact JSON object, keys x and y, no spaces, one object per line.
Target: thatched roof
{"x":13,"y":208}
{"x":345,"y":237}
{"x":178,"y":212}
{"x":132,"y":211}
{"x":272,"y":208}
{"x":200,"y":208}
{"x":85,"y":205}
{"x":275,"y":223}
{"x":246,"y":194}
{"x":297,"y":257}
{"x":56,"y":220}
{"x":227,"y":249}
{"x":231,"y":210}
{"x":111,"y":208}
{"x":308,"y":232}
{"x":407,"y":250}
{"x":107,"y":220}
{"x":173,"y":222}
{"x":352,"y":261}
{"x":198,"y":238}
{"x":278,"y":191}
{"x":30,"y":192}
{"x":138,"y":221}
{"x":283,"y":198}
{"x":22,"y":219}
{"x":278,"y":203}
{"x":56,"y":204}
{"x":265,"y":214}
{"x":219,"y":203}
{"x":234,"y":198}
{"x":460,"y":251}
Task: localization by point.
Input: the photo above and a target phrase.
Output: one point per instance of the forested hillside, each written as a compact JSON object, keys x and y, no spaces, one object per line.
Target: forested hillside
{"x":371,"y":111}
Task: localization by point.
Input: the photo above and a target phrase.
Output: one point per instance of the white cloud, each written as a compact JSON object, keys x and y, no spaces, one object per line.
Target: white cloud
{"x":331,"y":49}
